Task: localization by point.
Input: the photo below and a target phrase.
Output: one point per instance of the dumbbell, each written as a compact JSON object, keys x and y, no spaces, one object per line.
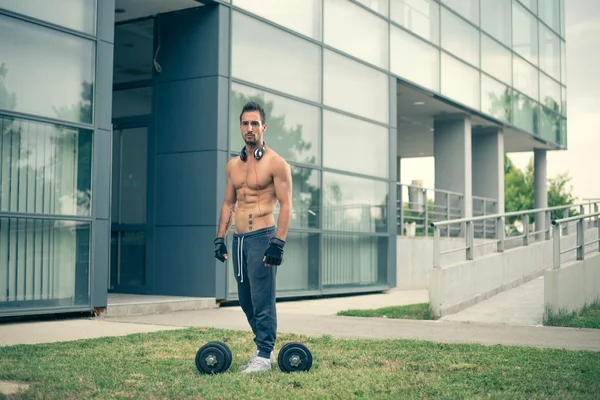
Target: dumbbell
{"x":215,"y":357}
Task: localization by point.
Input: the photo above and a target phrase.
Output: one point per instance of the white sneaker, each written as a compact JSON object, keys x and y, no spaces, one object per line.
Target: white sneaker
{"x":249,"y":363}
{"x":259,"y":364}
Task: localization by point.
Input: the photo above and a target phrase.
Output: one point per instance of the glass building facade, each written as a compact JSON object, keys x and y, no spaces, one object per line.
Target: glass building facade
{"x":101,"y":148}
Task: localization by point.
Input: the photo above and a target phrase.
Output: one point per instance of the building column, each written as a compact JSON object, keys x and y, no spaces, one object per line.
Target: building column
{"x":540,"y":189}
{"x":452,"y":153}
{"x":488,"y":166}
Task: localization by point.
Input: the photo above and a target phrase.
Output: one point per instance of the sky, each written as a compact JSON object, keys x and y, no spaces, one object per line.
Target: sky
{"x":582,"y":159}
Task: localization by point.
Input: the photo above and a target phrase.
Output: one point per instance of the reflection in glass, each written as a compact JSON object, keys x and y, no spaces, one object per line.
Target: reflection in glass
{"x":133,"y":51}
{"x":525,"y":34}
{"x":293,"y":128}
{"x":460,"y":82}
{"x":353,"y":204}
{"x":496,"y":59}
{"x":351,"y":261}
{"x":421,"y":17}
{"x":549,"y":125}
{"x":129,"y":180}
{"x":380,"y":6}
{"x":549,"y":52}
{"x":562,"y":18}
{"x":306,"y":197}
{"x":460,"y":38}
{"x":45,"y":168}
{"x":549,"y":12}
{"x":525,"y":113}
{"x":496,"y":19}
{"x":285,"y":62}
{"x":531,"y":4}
{"x":495,"y":99}
{"x":43,"y":263}
{"x":300,"y":268}
{"x":62,"y":88}
{"x":355,"y":31}
{"x":343,"y":135}
{"x":467,"y":8}
{"x":354,"y":87}
{"x":525,"y":78}
{"x":563,"y":107}
{"x":132,"y":102}
{"x":128,"y":259}
{"x":550,"y":93}
{"x":563,"y":63}
{"x":302,"y":16}
{"x":563,"y":132}
{"x":414,"y":60}
{"x":73,"y":14}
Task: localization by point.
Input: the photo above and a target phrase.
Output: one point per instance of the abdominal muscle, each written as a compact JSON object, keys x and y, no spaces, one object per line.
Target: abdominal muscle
{"x":252,"y":214}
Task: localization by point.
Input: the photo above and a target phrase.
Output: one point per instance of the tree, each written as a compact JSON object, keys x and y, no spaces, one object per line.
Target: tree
{"x":519,"y":191}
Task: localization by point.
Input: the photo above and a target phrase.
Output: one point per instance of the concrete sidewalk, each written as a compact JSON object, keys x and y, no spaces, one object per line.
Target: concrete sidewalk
{"x":316,"y":317}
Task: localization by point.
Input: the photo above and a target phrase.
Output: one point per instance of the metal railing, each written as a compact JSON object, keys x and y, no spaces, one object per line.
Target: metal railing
{"x":500,"y":239}
{"x":417,"y":206}
{"x":580,"y":244}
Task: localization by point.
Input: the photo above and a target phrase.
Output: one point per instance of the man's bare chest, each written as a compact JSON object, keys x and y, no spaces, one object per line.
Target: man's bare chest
{"x":252,"y":177}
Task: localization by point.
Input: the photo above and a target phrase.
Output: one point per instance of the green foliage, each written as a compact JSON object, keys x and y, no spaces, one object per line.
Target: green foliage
{"x":421,"y":311}
{"x":587,"y":317}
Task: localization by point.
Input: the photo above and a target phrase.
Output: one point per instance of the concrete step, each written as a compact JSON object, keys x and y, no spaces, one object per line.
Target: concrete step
{"x":120,"y":305}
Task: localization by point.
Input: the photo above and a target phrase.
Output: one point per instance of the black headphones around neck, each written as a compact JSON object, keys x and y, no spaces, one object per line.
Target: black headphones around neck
{"x":258,"y":153}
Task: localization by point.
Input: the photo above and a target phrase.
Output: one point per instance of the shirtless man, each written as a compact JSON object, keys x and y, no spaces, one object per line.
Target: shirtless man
{"x":256,"y":181}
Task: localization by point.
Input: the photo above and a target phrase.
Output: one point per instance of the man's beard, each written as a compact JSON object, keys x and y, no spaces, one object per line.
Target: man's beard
{"x":251,"y":142}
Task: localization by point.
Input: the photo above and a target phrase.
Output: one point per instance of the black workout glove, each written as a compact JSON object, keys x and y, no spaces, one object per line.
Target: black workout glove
{"x":220,"y":249}
{"x":274,"y":254}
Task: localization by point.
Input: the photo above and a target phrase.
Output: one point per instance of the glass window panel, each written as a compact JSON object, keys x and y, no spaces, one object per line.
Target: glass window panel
{"x":549,"y":12}
{"x":132,"y":102}
{"x":525,"y":113}
{"x":562,"y":18}
{"x":343,"y":135}
{"x":563,"y":62}
{"x":352,"y":261}
{"x":460,"y":38}
{"x":496,"y":59}
{"x":43,"y":262}
{"x":549,"y":52}
{"x":414,"y":60}
{"x":354,"y":87}
{"x":380,"y":6}
{"x":354,"y":204}
{"x":306,"y":192}
{"x":550,"y":93}
{"x":563,"y":132}
{"x":525,"y":78}
{"x":73,"y":14}
{"x":564,"y":100}
{"x":130,"y":178}
{"x":496,"y":18}
{"x":495,"y":99}
{"x":467,"y":8}
{"x":421,"y":17}
{"x":549,"y":125}
{"x":63,"y":88}
{"x":525,"y":33}
{"x":300,"y":269}
{"x":131,"y":270}
{"x":356,"y":31}
{"x":460,"y":82}
{"x":293,"y":128}
{"x":45,"y":168}
{"x":531,"y":4}
{"x":302,"y":16}
{"x":133,"y":51}
{"x":284,"y":62}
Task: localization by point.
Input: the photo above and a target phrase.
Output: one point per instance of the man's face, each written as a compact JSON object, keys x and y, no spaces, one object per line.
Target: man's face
{"x":252,"y":128}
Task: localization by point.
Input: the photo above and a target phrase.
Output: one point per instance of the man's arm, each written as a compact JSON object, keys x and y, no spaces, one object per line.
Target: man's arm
{"x":282,"y":178}
{"x":229,"y":204}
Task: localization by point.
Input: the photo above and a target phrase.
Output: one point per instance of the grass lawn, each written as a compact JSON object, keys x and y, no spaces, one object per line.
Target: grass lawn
{"x":161,"y":365}
{"x":589,"y":317}
{"x":411,"y":311}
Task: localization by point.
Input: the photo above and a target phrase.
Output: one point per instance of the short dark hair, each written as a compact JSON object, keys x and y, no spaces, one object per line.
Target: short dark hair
{"x":254,"y":106}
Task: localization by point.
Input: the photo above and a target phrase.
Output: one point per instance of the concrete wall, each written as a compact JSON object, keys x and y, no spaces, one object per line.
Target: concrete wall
{"x":574,"y":285}
{"x":414,"y":258}
{"x":456,"y":287}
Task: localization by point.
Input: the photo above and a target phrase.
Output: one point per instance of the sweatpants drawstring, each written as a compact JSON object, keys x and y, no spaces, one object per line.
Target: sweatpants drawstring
{"x":240,"y":258}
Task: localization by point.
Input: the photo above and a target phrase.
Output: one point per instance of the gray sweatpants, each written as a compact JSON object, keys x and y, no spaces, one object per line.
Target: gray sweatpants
{"x":256,"y":286}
